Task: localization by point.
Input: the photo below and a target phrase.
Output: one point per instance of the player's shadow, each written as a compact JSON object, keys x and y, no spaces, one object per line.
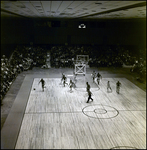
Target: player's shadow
{"x":109,"y":91}
{"x":90,"y":101}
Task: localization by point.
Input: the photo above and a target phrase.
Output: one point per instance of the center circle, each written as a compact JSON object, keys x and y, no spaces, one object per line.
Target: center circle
{"x":100,"y":111}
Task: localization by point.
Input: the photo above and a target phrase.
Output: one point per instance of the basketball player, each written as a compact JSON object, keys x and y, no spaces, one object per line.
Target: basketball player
{"x":74,"y":78}
{"x":118,"y":84}
{"x":43,"y":83}
{"x":108,"y":86}
{"x":88,"y":87}
{"x":64,"y":80}
{"x":71,"y":85}
{"x":62,"y":77}
{"x":98,"y":78}
{"x":93,"y":75}
{"x":89,"y":96}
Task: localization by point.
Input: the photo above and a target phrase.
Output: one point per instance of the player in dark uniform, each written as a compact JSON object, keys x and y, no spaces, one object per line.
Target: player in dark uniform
{"x":118,"y":84}
{"x":98,"y":78}
{"x":71,"y":85}
{"x":64,"y":79}
{"x":43,"y":83}
{"x":89,"y":96}
{"x":88,"y":87}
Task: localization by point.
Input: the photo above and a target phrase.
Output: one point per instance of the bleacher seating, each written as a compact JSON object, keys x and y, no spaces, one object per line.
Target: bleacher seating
{"x":27,"y":57}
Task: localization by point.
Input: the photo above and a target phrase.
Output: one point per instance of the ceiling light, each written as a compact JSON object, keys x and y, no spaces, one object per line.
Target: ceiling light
{"x":82,"y":26}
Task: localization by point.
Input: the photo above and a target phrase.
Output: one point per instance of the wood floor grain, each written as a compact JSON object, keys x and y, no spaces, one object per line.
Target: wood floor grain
{"x":58,"y":119}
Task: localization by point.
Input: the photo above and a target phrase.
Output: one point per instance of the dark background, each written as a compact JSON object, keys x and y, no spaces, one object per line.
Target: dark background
{"x":130,"y":33}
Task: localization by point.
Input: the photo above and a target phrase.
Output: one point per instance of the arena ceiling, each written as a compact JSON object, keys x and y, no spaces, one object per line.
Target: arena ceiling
{"x":74,"y":9}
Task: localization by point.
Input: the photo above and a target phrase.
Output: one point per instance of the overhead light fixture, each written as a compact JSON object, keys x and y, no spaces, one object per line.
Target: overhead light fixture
{"x":82,"y":26}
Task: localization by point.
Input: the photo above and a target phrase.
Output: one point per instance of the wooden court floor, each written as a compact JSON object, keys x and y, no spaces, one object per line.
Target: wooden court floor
{"x":60,"y":119}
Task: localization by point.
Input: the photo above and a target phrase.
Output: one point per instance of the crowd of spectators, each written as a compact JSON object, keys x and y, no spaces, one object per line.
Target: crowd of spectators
{"x":98,"y":57}
{"x":8,"y":73}
{"x":26,"y":57}
{"x":22,"y":59}
{"x":65,"y":56}
{"x":118,"y":56}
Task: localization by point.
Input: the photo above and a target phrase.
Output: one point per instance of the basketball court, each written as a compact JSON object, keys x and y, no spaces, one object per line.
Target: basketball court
{"x":60,"y":119}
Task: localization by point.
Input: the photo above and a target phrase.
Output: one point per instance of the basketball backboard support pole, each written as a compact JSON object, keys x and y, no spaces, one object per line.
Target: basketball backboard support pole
{"x":80,"y":69}
{"x":82,"y":58}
